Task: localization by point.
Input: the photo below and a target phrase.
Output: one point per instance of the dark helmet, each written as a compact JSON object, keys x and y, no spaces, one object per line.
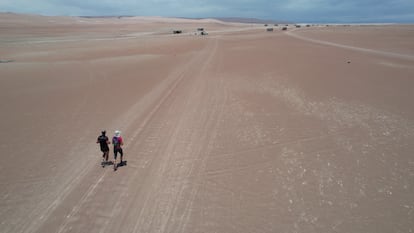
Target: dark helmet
{"x":103,"y":132}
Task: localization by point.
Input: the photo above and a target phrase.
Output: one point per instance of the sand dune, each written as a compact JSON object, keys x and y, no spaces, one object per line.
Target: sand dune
{"x":239,"y":131}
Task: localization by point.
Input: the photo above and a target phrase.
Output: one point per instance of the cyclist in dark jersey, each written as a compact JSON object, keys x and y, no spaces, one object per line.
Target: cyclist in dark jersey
{"x":103,"y":142}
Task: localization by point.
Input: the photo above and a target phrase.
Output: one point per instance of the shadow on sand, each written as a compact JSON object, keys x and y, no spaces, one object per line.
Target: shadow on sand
{"x":121,"y":164}
{"x":110,"y":163}
{"x":6,"y":61}
{"x":106,"y":163}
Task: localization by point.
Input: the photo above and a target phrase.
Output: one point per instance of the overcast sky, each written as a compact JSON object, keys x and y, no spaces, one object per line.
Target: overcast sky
{"x":335,"y":11}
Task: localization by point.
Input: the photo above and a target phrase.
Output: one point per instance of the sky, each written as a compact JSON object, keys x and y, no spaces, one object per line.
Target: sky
{"x":306,"y":11}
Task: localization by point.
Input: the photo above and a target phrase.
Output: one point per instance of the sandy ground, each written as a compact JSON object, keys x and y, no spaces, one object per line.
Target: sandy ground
{"x":239,"y":131}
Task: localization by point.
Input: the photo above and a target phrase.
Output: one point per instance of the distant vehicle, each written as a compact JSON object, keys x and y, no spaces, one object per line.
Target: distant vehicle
{"x":269,"y":29}
{"x":297,"y":26}
{"x":200,"y":29}
{"x":177,"y":31}
{"x":265,"y":25}
{"x":284,"y":28}
{"x":203,"y":33}
{"x":276,"y":25}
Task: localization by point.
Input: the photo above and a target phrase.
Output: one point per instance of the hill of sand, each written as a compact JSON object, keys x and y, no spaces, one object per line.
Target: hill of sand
{"x":243,"y":130}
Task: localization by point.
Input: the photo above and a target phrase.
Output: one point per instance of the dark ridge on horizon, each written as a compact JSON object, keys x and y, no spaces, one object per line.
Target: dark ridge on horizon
{"x":224,"y":19}
{"x":239,"y":20}
{"x":251,"y":20}
{"x":105,"y":16}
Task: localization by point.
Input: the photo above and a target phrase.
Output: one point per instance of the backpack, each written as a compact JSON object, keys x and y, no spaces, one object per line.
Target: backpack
{"x":116,"y":142}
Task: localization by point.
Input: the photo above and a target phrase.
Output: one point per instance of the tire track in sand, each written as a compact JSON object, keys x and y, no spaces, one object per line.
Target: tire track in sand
{"x":176,"y":78}
{"x":349,"y":47}
{"x":156,"y":190}
{"x":160,"y":94}
{"x":171,"y":84}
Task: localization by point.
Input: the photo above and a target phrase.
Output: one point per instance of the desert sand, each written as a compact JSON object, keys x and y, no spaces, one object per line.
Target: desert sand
{"x":243,"y":130}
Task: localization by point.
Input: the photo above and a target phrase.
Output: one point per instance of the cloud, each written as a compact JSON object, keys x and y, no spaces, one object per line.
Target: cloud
{"x":293,"y":10}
